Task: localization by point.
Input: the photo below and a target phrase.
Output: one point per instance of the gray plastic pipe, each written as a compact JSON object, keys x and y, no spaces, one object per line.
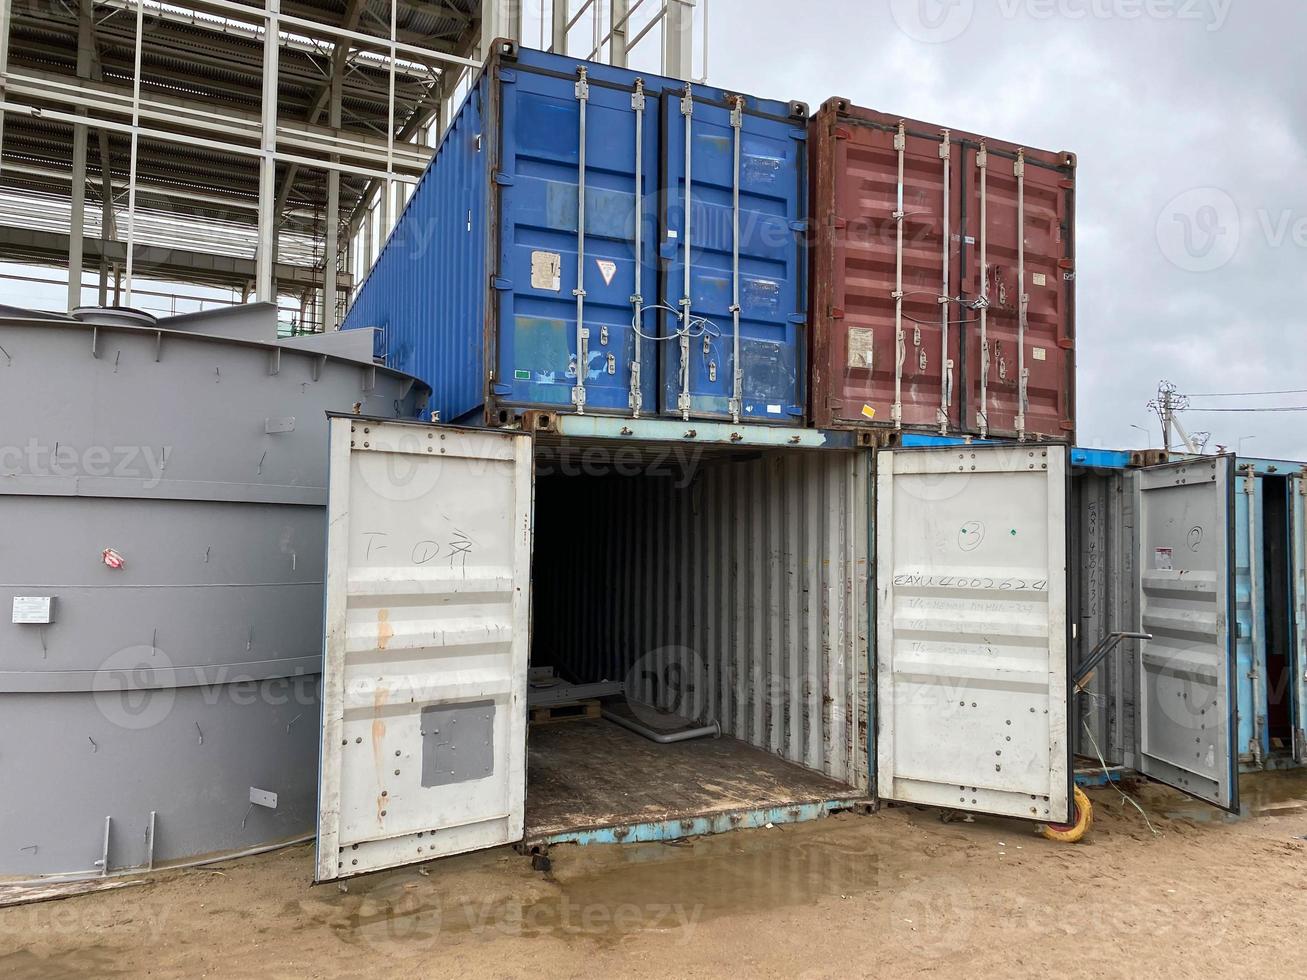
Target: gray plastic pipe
{"x":714,"y":729}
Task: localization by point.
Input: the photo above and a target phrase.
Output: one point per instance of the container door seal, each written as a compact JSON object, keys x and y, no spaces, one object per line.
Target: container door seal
{"x":1187,"y":729}
{"x":426,"y":644}
{"x":1298,"y":673}
{"x":972,"y":639}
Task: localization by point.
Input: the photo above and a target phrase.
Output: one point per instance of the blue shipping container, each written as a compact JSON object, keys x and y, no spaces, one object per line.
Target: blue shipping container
{"x":484,"y":279}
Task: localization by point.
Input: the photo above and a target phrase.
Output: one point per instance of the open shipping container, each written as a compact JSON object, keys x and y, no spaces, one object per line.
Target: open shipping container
{"x":720,"y":589}
{"x":943,"y":279}
{"x":1271,"y":582}
{"x":651,"y":232}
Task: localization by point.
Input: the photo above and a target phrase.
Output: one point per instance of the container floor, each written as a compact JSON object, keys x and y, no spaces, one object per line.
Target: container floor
{"x":590,"y":775}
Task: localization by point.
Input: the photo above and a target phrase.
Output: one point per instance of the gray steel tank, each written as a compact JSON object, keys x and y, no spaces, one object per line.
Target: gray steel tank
{"x":163,"y":489}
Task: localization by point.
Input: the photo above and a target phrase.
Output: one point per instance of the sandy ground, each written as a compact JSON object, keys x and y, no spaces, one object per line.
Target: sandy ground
{"x":897,"y":892}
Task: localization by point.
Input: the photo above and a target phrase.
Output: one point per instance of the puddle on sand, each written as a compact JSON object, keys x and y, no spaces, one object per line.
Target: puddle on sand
{"x":1261,"y":794}
{"x":604,"y":893}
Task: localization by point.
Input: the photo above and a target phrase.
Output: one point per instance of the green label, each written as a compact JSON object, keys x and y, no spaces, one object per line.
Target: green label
{"x":522,"y":375}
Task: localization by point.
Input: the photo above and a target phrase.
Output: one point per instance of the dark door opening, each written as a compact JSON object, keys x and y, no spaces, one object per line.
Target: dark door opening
{"x":1277,"y":578}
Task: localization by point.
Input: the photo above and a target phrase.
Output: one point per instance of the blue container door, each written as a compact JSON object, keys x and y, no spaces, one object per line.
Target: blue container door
{"x":698,"y":362}
{"x":538,"y":178}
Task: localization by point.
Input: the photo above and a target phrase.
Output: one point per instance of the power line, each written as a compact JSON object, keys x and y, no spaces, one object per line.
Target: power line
{"x":1282,"y":408}
{"x":1249,"y":394}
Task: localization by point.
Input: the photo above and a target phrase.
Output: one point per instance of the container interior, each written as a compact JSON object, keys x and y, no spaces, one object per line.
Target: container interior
{"x":1277,"y":576}
{"x":723,"y":588}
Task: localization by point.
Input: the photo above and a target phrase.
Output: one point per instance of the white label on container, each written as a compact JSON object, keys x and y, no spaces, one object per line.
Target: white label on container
{"x":773,"y":410}
{"x":862,"y":348}
{"x":32,"y":610}
{"x":1040,"y":353}
{"x":1041,"y":279}
{"x":547,"y":271}
{"x":1162,"y":559}
{"x":671,"y":233}
{"x":607,"y":269}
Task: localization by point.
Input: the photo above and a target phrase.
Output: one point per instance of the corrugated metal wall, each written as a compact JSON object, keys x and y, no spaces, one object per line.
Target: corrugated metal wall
{"x":739,"y":582}
{"x":1103,"y":601}
{"x":427,"y":290}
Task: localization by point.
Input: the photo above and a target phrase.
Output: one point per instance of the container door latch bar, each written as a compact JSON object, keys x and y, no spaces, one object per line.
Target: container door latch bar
{"x":637,"y":299}
{"x":900,"y":348}
{"x":582,"y":354}
{"x":737,"y":381}
{"x":687,"y":110}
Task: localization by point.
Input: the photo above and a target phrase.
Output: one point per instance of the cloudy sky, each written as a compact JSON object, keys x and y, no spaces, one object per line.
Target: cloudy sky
{"x":1189,"y":118}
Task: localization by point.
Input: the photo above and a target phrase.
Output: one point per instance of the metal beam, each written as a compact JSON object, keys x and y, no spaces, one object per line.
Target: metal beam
{"x":194,"y":265}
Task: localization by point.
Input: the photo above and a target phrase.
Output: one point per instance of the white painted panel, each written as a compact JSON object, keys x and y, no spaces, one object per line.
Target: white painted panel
{"x":1187,"y":730}
{"x":426,"y":648}
{"x":971,"y":641}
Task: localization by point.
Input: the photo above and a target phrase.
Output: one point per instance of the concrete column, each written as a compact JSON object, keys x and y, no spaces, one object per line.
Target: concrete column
{"x":6,"y":9}
{"x":107,"y":230}
{"x":265,"y":256}
{"x":76,"y":224}
{"x":77,"y":219}
{"x":561,"y":15}
{"x":499,"y":18}
{"x":678,"y":39}
{"x":330,"y":255}
{"x":122,"y":296}
{"x":368,"y":241}
{"x":617,"y":44}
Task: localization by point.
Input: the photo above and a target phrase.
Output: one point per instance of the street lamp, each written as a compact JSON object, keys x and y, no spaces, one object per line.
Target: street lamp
{"x":1148,"y":435}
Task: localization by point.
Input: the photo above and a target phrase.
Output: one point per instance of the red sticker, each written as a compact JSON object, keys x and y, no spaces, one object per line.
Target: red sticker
{"x":112,"y":558}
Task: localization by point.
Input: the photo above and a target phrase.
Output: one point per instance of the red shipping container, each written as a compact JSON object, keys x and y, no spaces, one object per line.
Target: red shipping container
{"x":914,"y":328}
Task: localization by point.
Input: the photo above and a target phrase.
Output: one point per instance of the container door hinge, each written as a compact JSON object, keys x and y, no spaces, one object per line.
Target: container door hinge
{"x":794,"y":411}
{"x":841,"y":133}
{"x":500,"y":283}
{"x":799,"y":226}
{"x":799,"y":318}
{"x":500,"y":388}
{"x":798,"y":135}
{"x":507,"y":76}
{"x":835,"y":313}
{"x":503,"y":179}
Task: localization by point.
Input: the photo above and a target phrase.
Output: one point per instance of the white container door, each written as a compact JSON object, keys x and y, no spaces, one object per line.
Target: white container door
{"x":972,"y":641}
{"x":1187,"y":726}
{"x":1298,"y":684}
{"x":426,"y":645}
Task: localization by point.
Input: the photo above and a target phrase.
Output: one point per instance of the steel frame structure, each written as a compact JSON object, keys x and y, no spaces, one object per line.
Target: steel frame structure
{"x":264,"y":146}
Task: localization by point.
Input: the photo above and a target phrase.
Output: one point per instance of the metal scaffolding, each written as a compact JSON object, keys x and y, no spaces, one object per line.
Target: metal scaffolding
{"x":265,"y":148}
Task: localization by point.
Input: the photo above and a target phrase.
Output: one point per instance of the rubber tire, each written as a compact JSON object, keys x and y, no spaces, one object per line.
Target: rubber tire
{"x":1070,"y":833}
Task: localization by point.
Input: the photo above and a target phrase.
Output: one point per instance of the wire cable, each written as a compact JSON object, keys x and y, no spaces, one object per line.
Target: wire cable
{"x":1268,"y":408}
{"x":1249,"y":394}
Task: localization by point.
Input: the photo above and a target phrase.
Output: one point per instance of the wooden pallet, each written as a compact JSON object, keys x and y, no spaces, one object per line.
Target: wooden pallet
{"x":555,"y":714}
